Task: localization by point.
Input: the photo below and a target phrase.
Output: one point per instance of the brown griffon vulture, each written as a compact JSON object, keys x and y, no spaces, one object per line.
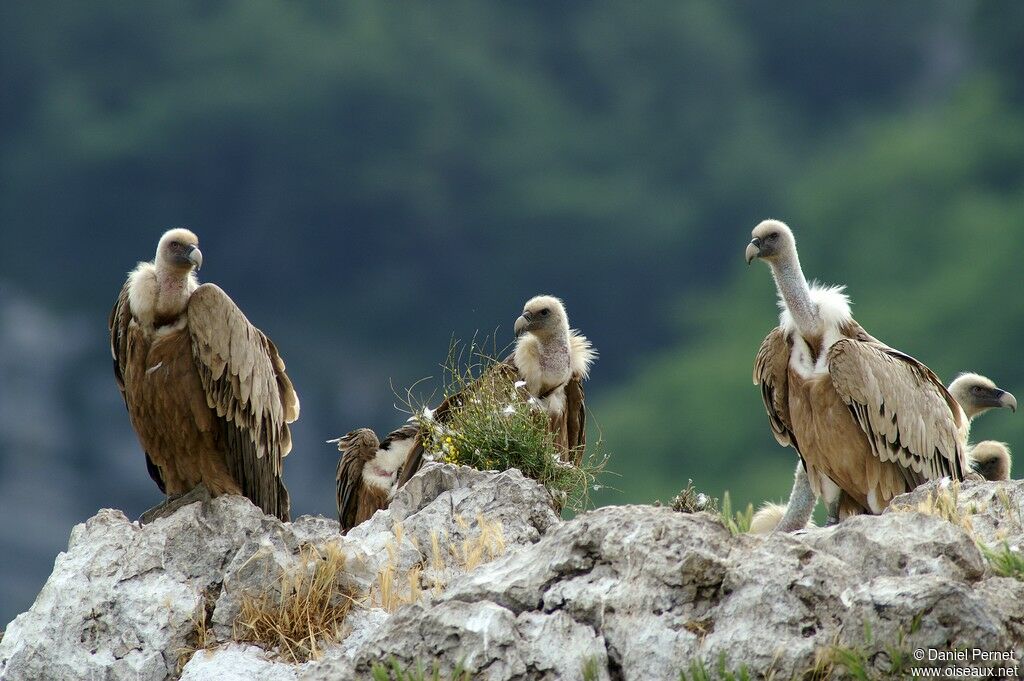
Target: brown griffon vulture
{"x":975,"y":394}
{"x":206,"y":391}
{"x":368,"y":471}
{"x":550,"y":362}
{"x":868,"y":421}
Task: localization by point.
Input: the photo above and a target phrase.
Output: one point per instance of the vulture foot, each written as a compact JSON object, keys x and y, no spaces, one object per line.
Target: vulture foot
{"x":167,"y":507}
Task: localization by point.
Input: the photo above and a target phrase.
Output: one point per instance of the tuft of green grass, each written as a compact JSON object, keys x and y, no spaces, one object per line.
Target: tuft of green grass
{"x":868,"y":662}
{"x":738,"y":522}
{"x":590,"y":669}
{"x":418,"y":672}
{"x":1006,"y":561}
{"x":494,"y":425}
{"x":699,"y":671}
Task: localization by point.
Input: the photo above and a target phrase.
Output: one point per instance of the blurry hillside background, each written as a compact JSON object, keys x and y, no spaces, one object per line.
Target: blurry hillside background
{"x":371,"y":179}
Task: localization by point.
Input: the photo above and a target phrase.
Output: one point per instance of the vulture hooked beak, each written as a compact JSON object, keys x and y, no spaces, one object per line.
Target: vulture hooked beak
{"x":195,"y":256}
{"x":753,"y":249}
{"x":523,"y":324}
{"x":1006,"y":400}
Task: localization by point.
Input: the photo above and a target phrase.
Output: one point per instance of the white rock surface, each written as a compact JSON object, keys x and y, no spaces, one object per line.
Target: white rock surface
{"x":637,"y":592}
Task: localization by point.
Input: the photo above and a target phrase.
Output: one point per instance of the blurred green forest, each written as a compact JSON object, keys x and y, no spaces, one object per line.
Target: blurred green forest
{"x":371,"y":179}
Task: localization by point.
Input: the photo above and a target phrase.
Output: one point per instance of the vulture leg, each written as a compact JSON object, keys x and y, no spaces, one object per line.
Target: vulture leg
{"x":167,"y":507}
{"x":801,"y":503}
{"x":832,"y":515}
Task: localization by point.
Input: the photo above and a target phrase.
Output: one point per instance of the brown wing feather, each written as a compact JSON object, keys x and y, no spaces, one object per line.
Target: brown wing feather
{"x":771,"y":372}
{"x":356,"y":451}
{"x":575,"y":419}
{"x":246,"y":386}
{"x":118,"y":324}
{"x":907,"y":414}
{"x":120,"y":318}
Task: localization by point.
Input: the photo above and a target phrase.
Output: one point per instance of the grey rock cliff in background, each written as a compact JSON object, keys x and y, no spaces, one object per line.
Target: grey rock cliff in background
{"x":636,"y":592}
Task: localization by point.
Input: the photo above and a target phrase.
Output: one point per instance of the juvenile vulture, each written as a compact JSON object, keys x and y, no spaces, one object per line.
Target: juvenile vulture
{"x":206,"y":391}
{"x":975,"y":394}
{"x":550,"y":361}
{"x":868,"y":422}
{"x":368,"y":470}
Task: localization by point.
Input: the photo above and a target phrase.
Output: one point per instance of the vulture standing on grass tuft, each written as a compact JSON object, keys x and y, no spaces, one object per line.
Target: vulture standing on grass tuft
{"x":975,"y":394}
{"x":869,"y":422}
{"x":551,"y":361}
{"x":206,"y":391}
{"x":368,"y":470}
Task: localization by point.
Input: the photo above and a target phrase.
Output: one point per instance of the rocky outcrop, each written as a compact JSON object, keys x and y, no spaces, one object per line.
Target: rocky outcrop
{"x":125,"y":601}
{"x":630,"y":592}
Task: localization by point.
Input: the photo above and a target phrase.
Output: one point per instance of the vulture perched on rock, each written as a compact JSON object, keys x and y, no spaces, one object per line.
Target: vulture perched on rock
{"x":550,"y":362}
{"x":868,"y":421}
{"x":975,"y":394}
{"x":368,"y":471}
{"x":206,"y":391}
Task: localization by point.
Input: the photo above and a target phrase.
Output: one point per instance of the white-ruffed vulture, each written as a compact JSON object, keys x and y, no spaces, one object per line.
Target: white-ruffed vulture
{"x":868,"y":421}
{"x":206,"y":391}
{"x":975,"y":394}
{"x":550,"y":362}
{"x":368,"y":471}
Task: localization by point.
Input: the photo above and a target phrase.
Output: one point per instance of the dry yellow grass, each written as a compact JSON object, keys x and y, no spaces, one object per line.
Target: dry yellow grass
{"x":945,"y":504}
{"x":305,"y":612}
{"x":394,"y":590}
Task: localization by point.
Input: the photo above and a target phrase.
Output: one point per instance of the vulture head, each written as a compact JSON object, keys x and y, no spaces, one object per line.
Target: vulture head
{"x":359,"y":439}
{"x":178,"y":251}
{"x":543,"y":316}
{"x":991,"y":460}
{"x":977,"y":394}
{"x":771,"y":240}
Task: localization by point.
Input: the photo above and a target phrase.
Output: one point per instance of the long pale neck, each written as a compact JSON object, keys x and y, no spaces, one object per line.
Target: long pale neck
{"x":173,"y":291}
{"x":796,"y":293}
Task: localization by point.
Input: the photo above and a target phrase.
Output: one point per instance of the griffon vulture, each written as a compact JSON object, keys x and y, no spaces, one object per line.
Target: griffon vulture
{"x":975,"y":394}
{"x":550,"y":362}
{"x":869,"y":422}
{"x":368,"y":470}
{"x":206,"y":391}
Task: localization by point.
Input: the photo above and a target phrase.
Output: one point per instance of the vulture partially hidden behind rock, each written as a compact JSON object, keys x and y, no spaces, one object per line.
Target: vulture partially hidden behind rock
{"x":868,"y":421}
{"x":975,"y":394}
{"x":550,"y":362}
{"x":206,"y":391}
{"x":368,"y":471}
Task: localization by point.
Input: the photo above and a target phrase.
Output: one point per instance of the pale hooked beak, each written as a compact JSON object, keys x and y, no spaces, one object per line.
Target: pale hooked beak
{"x":522,"y":323}
{"x":195,"y":256}
{"x":753,"y":250}
{"x":1008,"y":401}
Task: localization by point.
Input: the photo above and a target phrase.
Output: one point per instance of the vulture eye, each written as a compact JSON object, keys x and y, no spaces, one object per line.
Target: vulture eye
{"x":976,"y":389}
{"x":773,"y":236}
{"x":545,"y":312}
